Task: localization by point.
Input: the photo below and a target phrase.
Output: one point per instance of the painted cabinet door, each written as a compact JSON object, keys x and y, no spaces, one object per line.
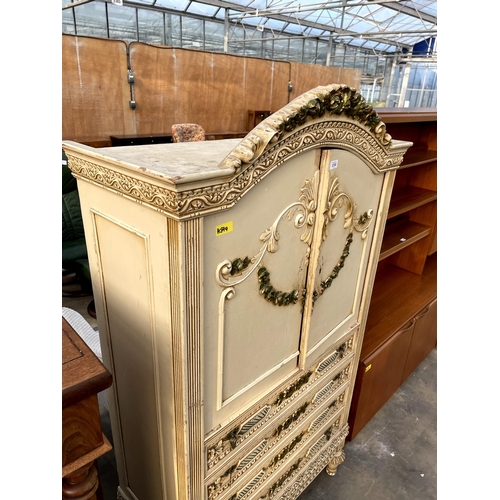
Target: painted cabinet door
{"x":283,"y":274}
{"x":347,"y":211}
{"x":256,"y":258}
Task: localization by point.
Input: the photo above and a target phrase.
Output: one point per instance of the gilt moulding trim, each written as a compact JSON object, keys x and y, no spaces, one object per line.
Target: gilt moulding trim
{"x":306,"y":123}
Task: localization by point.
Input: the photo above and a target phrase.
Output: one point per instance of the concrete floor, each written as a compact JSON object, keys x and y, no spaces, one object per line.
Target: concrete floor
{"x":392,"y":458}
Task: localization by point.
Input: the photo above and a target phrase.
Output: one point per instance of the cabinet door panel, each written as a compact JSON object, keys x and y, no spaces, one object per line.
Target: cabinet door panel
{"x":252,"y":343}
{"x":379,"y":376}
{"x":423,"y":340}
{"x":349,"y":211}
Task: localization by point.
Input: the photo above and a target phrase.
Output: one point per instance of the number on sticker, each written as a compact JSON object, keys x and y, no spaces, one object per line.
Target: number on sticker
{"x":225,"y":228}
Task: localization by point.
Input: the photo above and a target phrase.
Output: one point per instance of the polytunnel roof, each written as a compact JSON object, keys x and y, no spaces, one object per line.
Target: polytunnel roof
{"x":383,"y":26}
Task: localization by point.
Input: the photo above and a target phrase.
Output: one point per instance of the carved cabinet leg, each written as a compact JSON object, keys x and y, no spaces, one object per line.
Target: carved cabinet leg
{"x":338,"y":458}
{"x":81,"y":484}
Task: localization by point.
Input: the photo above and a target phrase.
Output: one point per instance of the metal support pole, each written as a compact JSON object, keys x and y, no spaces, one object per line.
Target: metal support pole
{"x":226,"y":31}
{"x":404,"y":85}
{"x":373,"y":89}
{"x":388,"y":88}
{"x":329,"y":54}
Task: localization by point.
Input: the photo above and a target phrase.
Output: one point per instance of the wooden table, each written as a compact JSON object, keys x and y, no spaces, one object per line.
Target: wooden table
{"x":83,"y":377}
{"x":161,"y":138}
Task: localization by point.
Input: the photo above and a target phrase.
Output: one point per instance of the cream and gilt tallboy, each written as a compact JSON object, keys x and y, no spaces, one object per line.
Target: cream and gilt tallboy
{"x":232,"y":280}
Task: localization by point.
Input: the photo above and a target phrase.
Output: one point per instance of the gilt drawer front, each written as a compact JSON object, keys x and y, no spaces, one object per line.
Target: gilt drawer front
{"x":275,"y":467}
{"x":326,"y":405}
{"x":327,"y":447}
{"x":330,"y":372}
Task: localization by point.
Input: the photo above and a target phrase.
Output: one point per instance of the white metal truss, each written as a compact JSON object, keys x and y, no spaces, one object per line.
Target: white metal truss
{"x":385,"y":27}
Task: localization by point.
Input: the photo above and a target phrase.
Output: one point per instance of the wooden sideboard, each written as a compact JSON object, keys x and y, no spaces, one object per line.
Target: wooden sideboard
{"x":232,"y":281}
{"x":401,"y":327}
{"x":83,"y":377}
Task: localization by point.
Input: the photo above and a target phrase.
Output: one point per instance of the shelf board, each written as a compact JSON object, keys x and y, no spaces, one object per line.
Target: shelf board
{"x":409,"y":197}
{"x":398,"y":295}
{"x":418,"y":157}
{"x":407,"y":115}
{"x":400,"y":235}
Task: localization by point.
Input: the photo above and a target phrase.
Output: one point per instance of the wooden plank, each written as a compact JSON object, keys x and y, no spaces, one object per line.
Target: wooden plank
{"x":415,"y":157}
{"x":405,"y":115}
{"x":407,"y":198}
{"x":400,"y":235}
{"x":95,"y":91}
{"x":214,"y":90}
{"x":173,"y":85}
{"x":305,"y":77}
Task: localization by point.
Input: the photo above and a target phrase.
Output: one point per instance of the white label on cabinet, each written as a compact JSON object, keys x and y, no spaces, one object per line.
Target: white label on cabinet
{"x":334,"y":164}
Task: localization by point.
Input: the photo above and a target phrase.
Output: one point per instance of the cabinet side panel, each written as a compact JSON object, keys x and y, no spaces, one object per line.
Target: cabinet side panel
{"x":128,"y":250}
{"x":125,"y":265}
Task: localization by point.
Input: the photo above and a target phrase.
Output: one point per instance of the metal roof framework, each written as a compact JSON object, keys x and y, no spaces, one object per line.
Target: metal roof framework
{"x":382,"y":27}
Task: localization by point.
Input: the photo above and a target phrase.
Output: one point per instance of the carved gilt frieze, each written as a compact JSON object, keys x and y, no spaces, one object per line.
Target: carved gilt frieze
{"x":238,"y":434}
{"x":316,"y":460}
{"x":225,"y":481}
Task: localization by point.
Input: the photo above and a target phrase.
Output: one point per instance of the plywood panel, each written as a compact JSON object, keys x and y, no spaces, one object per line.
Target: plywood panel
{"x":173,"y":85}
{"x":308,"y":76}
{"x":215,"y":90}
{"x":95,"y":91}
{"x":266,"y":85}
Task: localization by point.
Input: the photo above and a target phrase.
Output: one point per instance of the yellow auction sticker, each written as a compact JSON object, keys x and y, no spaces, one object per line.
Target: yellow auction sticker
{"x":225,"y":228}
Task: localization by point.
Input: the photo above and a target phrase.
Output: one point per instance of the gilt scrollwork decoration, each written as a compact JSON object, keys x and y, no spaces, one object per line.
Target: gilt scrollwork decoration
{"x":303,"y":212}
{"x":231,"y":273}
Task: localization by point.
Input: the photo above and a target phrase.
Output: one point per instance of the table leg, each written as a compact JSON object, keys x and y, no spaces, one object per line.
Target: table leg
{"x":81,"y":484}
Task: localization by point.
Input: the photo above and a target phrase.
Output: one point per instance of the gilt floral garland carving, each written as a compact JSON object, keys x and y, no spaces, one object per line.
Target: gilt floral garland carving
{"x":330,"y":101}
{"x":231,"y":273}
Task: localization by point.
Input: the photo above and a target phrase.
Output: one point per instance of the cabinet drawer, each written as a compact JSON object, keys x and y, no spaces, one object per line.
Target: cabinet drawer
{"x":324,"y":403}
{"x":330,"y":372}
{"x":297,"y":474}
{"x":243,"y":479}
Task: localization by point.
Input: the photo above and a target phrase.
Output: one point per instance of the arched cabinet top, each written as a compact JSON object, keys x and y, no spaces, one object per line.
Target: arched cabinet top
{"x":326,"y":116}
{"x":187,"y":180}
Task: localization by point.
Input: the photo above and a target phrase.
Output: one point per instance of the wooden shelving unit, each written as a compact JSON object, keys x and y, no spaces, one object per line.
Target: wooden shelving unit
{"x":401,"y":326}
